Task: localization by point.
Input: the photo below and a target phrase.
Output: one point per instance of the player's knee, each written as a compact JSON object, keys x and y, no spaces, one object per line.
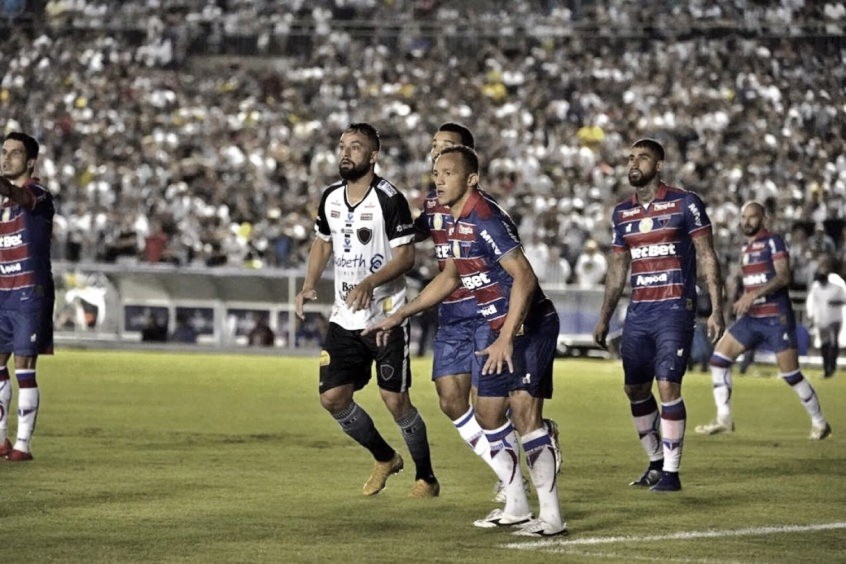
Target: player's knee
{"x":720,"y":360}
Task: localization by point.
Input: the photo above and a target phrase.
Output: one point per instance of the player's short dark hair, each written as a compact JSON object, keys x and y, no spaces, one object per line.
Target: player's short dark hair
{"x":651,"y":144}
{"x":463,"y":132}
{"x":468,"y":156}
{"x":30,"y":144}
{"x":369,"y":131}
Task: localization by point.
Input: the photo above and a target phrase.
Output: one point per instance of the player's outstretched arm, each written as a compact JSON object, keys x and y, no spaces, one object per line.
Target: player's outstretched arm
{"x":401,"y":262}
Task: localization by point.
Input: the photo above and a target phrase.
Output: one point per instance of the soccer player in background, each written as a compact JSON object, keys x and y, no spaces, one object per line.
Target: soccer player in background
{"x":486,"y":257}
{"x":365,"y":222}
{"x":461,"y":329}
{"x":663,"y":234}
{"x":26,"y":287}
{"x":764,"y":317}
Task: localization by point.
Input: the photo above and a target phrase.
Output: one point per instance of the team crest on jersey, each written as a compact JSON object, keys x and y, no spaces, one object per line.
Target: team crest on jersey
{"x":364,"y":234}
{"x":438,"y":222}
{"x":386,"y":372}
{"x":456,"y":249}
{"x":645,"y":225}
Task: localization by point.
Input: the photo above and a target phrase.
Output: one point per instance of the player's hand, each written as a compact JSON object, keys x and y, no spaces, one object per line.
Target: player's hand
{"x":383,"y":329}
{"x":499,"y":356}
{"x":742,"y":305}
{"x":304,"y":295}
{"x":600,"y":334}
{"x":716,"y":326}
{"x":360,"y":297}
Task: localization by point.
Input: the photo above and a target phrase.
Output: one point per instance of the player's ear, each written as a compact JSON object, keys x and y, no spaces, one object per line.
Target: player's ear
{"x":659,"y":165}
{"x":473,"y":179}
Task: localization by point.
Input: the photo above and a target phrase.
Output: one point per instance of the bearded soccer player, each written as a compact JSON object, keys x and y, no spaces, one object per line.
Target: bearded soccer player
{"x":26,"y":287}
{"x":486,"y":257}
{"x":663,"y":234}
{"x":365,"y":222}
{"x":765,"y":317}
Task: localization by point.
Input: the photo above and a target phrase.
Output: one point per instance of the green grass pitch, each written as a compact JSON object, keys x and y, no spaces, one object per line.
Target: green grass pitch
{"x":167,"y":457}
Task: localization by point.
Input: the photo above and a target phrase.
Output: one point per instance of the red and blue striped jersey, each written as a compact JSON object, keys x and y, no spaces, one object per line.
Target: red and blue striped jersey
{"x":25,"y":237}
{"x":479,"y":238}
{"x":660,"y":237}
{"x":434,"y":221}
{"x":757,"y":265}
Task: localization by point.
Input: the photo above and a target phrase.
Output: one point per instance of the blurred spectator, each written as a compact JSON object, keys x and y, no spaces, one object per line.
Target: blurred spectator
{"x":591,"y":266}
{"x":261,"y":335}
{"x":184,"y":331}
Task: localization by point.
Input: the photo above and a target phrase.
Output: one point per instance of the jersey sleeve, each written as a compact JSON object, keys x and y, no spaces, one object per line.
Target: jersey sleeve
{"x":697,"y":218}
{"x":421,"y":226}
{"x":618,"y":242}
{"x":498,"y":235}
{"x":321,"y":224}
{"x":398,"y":224}
{"x":778,"y":247}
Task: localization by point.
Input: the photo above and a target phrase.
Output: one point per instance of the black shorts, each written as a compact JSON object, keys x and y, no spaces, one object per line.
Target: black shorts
{"x":347,"y":358}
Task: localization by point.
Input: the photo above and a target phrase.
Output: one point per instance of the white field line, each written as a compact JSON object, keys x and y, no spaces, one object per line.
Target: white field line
{"x":684,"y":535}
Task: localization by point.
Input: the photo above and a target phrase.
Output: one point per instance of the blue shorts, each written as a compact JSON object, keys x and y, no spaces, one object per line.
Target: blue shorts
{"x":656,"y":346}
{"x":533,"y":357}
{"x":773,"y":333}
{"x":27,"y":331}
{"x":455,"y":346}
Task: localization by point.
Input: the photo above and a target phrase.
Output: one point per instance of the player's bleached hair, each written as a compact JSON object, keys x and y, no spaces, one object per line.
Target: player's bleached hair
{"x":368,"y":131}
{"x":30,"y":144}
{"x":651,"y":144}
{"x":468,"y":156}
{"x":462,"y":131}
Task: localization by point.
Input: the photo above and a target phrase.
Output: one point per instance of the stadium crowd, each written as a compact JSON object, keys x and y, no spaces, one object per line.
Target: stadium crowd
{"x":202,"y":132}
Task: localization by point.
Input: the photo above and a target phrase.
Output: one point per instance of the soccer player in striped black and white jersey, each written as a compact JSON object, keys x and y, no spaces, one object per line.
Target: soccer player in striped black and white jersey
{"x":364,"y":224}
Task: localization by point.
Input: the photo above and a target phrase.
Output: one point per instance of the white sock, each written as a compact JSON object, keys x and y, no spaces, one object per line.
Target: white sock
{"x":28,"y":399}
{"x":673,"y":420}
{"x":5,"y":400}
{"x":807,"y":395}
{"x":646,"y":422}
{"x":540,"y":458}
{"x":473,"y":435}
{"x":721,"y":378}
{"x":505,"y":461}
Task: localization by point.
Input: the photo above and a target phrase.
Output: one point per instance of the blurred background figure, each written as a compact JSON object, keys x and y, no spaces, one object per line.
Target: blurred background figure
{"x":591,"y":266}
{"x":824,"y":308}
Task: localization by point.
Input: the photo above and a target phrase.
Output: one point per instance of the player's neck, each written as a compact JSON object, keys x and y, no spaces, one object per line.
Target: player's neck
{"x":646,"y":194}
{"x":458,"y":206}
{"x":357,"y":189}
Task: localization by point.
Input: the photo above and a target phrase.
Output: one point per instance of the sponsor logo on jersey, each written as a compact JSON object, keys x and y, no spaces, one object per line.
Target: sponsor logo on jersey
{"x":755,"y":279}
{"x":697,"y":217}
{"x":364,"y":234}
{"x":649,"y":279}
{"x":488,"y":310}
{"x":367,"y":217}
{"x":652,"y":251}
{"x":489,"y":240}
{"x":404,"y":227}
{"x":660,"y":206}
{"x":645,"y":225}
{"x":376,"y":262}
{"x":357,"y":261}
{"x":629,"y":213}
{"x":10,"y":268}
{"x":442,"y":251}
{"x":334,"y":213}
{"x":9,"y":241}
{"x":475,"y":281}
{"x":465,"y":229}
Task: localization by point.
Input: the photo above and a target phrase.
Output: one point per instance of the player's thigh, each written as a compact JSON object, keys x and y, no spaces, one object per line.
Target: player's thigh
{"x":454,"y":348}
{"x":393,"y":363}
{"x":345,"y":359}
{"x":533,"y":357}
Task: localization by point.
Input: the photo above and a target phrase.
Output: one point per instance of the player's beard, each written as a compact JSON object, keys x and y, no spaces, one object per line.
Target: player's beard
{"x":751,"y":230}
{"x":354,"y":172}
{"x":643,"y":179}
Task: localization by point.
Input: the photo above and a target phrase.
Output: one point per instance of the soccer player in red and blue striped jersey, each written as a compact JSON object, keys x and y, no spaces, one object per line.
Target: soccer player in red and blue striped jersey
{"x":765,"y":317}
{"x":662,"y":234}
{"x":26,"y":286}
